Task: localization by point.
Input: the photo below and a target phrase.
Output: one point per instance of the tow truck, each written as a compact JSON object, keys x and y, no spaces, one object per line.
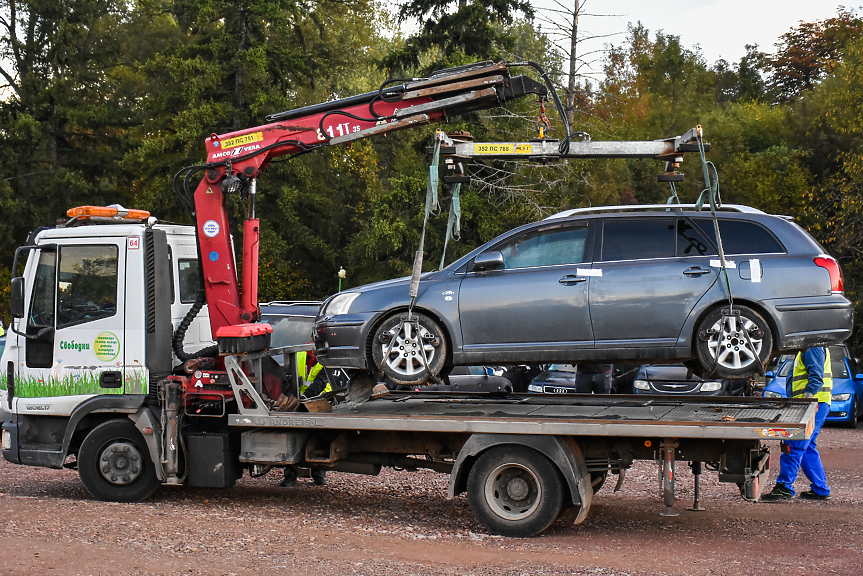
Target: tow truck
{"x":118,"y":365}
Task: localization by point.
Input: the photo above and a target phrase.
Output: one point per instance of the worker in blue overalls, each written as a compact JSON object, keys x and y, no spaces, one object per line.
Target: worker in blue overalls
{"x":811,"y":378}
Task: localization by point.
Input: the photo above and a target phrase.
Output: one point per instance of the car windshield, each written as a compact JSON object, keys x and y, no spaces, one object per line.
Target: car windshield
{"x":562,"y":368}
{"x":837,"y":363}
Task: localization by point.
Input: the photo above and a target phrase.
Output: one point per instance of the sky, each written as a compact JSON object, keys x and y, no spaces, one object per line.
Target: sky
{"x":722,"y":28}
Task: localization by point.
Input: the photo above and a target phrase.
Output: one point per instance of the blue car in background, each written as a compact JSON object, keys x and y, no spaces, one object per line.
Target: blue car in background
{"x":847,"y":403}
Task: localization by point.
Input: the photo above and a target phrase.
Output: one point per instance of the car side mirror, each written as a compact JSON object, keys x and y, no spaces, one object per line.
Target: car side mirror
{"x":768,"y":374}
{"x":487,"y":261}
{"x":858,"y":376}
{"x":16,"y":298}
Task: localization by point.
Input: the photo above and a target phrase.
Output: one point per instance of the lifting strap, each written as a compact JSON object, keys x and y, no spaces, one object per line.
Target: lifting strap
{"x":453,"y":224}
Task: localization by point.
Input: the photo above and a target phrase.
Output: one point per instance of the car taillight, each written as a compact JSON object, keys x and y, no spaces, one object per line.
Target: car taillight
{"x":832,"y":267}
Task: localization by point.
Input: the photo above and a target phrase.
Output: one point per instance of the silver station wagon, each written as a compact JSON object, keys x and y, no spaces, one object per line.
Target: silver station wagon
{"x":629,"y":283}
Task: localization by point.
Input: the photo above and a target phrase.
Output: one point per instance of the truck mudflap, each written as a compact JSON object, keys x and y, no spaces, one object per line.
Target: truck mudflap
{"x":756,"y":476}
{"x":561,"y":450}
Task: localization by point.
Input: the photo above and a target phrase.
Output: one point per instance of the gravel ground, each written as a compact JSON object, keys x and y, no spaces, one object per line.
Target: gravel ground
{"x":401,"y":523}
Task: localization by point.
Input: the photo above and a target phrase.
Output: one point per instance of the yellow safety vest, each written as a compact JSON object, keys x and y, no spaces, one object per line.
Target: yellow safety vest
{"x":800,"y":379}
{"x":310,"y":377}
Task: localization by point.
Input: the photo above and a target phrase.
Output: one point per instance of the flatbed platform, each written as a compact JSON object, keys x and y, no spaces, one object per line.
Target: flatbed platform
{"x":582,"y":415}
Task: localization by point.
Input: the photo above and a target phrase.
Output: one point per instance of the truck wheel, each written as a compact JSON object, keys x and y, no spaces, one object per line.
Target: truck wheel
{"x":114,"y":463}
{"x":404,"y":365}
{"x":515,"y":491}
{"x":728,"y":340}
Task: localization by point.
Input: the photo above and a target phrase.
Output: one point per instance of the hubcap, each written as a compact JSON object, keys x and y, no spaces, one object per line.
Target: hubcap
{"x":512,"y":491}
{"x":121,"y":463}
{"x":731,"y":344}
{"x":405,"y":356}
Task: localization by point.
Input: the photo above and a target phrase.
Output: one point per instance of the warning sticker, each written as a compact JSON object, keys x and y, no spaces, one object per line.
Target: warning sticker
{"x":244,"y":139}
{"x":487,"y":148}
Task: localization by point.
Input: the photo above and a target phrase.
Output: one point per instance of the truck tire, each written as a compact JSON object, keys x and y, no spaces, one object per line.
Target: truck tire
{"x":114,"y":463}
{"x":404,"y":366}
{"x":515,"y":491}
{"x":736,"y":357}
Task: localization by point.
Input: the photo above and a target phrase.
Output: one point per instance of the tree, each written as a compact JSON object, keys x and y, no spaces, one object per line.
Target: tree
{"x":471,"y":28}
{"x":807,"y":54}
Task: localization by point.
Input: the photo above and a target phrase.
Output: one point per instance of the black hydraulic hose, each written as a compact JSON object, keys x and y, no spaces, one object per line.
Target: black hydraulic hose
{"x":564,"y":144}
{"x":180,"y":333}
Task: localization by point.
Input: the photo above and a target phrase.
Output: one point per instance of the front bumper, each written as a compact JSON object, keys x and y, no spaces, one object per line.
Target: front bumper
{"x":840,"y":411}
{"x":340,"y":340}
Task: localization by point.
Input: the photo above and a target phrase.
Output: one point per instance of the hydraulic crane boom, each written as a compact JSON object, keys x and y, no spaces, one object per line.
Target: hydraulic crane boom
{"x":237,"y":159}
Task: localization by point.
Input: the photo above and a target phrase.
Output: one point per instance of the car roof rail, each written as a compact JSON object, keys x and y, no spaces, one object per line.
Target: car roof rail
{"x":740,"y":208}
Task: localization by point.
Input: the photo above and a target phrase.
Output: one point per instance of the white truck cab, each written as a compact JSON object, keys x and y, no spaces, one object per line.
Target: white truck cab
{"x":97,"y":306}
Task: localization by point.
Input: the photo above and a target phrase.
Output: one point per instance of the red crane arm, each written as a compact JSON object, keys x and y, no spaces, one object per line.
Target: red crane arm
{"x":237,"y":159}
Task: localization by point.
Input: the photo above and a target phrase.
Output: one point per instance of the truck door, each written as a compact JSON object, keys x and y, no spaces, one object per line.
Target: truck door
{"x":76,"y":290}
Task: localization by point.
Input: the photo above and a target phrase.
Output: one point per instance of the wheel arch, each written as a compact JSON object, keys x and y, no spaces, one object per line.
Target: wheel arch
{"x":94,"y":412}
{"x":562,"y":451}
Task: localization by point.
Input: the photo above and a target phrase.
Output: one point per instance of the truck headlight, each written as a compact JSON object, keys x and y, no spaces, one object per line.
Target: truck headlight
{"x":710,"y":386}
{"x":341,"y":303}
{"x":841,"y":397}
{"x":534,"y":388}
{"x":641,"y":385}
{"x":771,"y":394}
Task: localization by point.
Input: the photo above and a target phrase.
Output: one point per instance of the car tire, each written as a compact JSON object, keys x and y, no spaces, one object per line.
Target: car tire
{"x":515,"y":491}
{"x":403,"y":365}
{"x":114,"y":463}
{"x":736,"y":357}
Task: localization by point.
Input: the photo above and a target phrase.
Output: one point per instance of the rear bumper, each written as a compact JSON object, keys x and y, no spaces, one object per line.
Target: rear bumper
{"x":811,"y":321}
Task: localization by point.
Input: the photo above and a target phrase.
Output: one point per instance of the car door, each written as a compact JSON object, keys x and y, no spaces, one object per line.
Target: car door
{"x":77,"y":292}
{"x":536,"y":302}
{"x":650,"y":274}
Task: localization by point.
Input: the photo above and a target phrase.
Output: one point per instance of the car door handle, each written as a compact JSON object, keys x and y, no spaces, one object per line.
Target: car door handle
{"x":696,"y":271}
{"x":571,"y":279}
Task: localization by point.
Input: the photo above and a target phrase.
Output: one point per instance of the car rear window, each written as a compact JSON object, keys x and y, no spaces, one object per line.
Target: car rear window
{"x":741,"y":236}
{"x":691,"y":242}
{"x":638,"y":239}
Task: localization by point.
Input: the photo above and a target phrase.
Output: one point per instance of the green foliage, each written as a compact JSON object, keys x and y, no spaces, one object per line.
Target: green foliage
{"x":108,"y":100}
{"x":476,"y":29}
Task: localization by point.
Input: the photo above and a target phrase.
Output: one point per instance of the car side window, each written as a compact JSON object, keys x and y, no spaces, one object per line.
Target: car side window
{"x":545,"y":248}
{"x":741,"y":236}
{"x":189,"y":280}
{"x":638,"y":239}
{"x":86,"y":284}
{"x":691,"y":242}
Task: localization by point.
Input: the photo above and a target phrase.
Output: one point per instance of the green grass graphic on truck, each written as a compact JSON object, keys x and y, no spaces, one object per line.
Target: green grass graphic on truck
{"x":72,"y":385}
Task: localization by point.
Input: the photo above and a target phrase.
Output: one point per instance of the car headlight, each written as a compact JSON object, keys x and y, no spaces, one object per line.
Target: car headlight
{"x":841,"y":397}
{"x":341,"y":303}
{"x":710,"y":386}
{"x":641,"y":385}
{"x":771,"y":394}
{"x":534,"y":388}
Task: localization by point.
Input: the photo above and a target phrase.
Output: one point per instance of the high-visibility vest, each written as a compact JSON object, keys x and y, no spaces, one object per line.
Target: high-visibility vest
{"x":309,"y":377}
{"x":800,"y":379}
